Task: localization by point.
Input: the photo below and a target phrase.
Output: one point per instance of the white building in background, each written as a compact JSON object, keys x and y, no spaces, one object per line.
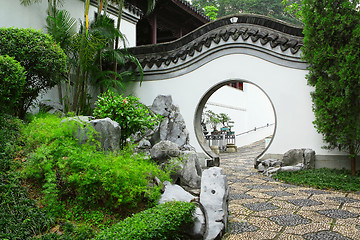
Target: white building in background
{"x":249,"y":109}
{"x":13,"y":14}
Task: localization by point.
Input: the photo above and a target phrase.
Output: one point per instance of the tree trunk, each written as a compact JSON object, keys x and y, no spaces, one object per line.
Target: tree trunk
{"x":121,"y":6}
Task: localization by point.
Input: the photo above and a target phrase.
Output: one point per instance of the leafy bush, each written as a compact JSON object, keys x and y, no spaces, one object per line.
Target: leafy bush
{"x":165,"y":221}
{"x":73,"y":172}
{"x":323,"y":178}
{"x":132,"y":115}
{"x":43,"y":60}
{"x":12,"y":81}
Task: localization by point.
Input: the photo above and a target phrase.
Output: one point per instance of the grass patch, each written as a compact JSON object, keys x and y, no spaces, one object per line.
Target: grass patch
{"x":323,"y":178}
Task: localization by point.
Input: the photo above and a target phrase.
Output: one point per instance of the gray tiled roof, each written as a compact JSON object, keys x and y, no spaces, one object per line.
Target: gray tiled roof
{"x":259,"y":29}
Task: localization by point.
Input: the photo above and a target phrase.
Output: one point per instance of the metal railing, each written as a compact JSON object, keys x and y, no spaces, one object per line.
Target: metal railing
{"x":255,"y":129}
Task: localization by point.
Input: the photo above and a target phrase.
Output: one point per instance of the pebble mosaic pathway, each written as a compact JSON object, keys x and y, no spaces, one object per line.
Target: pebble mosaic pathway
{"x":261,"y":208}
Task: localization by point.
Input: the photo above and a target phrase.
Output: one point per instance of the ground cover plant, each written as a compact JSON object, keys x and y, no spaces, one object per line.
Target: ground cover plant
{"x":20,"y":218}
{"x":165,"y":221}
{"x":323,"y":178}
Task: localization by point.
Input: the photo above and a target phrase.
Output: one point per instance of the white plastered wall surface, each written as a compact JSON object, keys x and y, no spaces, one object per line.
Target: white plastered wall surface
{"x":286,"y":88}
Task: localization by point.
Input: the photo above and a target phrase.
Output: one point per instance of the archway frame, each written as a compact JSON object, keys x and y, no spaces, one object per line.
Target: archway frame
{"x":200,"y":108}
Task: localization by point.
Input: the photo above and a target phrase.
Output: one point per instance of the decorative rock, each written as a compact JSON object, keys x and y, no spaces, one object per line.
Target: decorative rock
{"x":293,"y":157}
{"x":268,"y":163}
{"x":191,"y":172}
{"x":271,"y":171}
{"x":199,"y":226}
{"x":213,"y":196}
{"x":164,"y":150}
{"x":162,"y":105}
{"x":174,"y":192}
{"x":109,"y":131}
{"x":173,"y":126}
{"x":309,"y":158}
{"x":144,"y":146}
{"x":295,"y":168}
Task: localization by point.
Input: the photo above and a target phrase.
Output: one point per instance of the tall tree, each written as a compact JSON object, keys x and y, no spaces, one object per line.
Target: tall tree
{"x":271,"y":8}
{"x":332,"y":49}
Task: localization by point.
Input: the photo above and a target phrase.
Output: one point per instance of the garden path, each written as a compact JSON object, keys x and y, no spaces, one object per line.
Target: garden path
{"x":262,"y":208}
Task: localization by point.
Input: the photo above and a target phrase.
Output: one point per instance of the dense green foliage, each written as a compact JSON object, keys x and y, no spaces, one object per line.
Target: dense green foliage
{"x":323,"y":178}
{"x":12,"y":81}
{"x":132,"y":115}
{"x":332,"y":49}
{"x":43,"y":60}
{"x":270,"y":8}
{"x":69,"y":172}
{"x":20,"y":218}
{"x":165,"y":221}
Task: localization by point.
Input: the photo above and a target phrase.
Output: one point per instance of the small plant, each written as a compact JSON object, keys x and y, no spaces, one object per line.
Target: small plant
{"x":323,"y":178}
{"x":215,"y":119}
{"x":132,"y":115}
{"x":165,"y":221}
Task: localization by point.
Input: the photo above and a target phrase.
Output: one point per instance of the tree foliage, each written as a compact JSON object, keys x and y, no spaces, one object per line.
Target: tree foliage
{"x":43,"y":60}
{"x":271,"y":8}
{"x":332,"y":49}
{"x":12,"y":81}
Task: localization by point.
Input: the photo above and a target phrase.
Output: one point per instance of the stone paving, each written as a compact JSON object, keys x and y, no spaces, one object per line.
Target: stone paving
{"x":262,"y":208}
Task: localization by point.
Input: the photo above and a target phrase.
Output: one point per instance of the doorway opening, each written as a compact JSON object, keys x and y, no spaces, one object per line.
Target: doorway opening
{"x":232,"y":115}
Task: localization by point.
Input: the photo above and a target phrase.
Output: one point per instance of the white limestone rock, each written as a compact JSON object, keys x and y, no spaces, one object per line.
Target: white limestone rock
{"x":164,"y":150}
{"x":214,"y":197}
{"x":191,"y":172}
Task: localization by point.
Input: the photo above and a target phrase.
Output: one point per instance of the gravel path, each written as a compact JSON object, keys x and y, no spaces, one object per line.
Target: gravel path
{"x":261,"y":208}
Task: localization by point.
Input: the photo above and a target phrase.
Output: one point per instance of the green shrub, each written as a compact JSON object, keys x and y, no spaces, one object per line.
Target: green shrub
{"x":12,"y":81}
{"x":165,"y":221}
{"x":132,"y":115}
{"x":323,"y":178}
{"x":43,"y":60}
{"x":72,"y":172}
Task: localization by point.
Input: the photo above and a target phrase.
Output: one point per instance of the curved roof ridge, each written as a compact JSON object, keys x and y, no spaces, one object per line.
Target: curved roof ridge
{"x":241,"y":26}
